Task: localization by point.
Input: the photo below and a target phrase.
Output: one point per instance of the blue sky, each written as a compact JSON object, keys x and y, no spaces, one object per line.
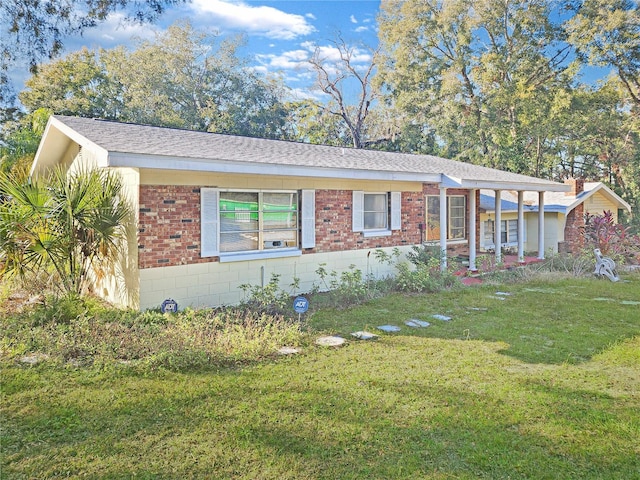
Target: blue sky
{"x":281,"y":34}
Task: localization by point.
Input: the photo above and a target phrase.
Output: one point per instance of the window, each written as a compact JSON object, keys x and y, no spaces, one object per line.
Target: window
{"x":508,"y":232}
{"x":259,"y":221}
{"x":376,"y":213}
{"x":456,"y":217}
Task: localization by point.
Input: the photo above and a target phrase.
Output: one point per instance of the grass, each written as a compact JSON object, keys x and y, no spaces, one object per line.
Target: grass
{"x":542,"y":384}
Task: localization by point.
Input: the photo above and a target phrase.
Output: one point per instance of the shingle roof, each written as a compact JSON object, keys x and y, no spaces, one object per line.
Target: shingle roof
{"x":553,"y":201}
{"x":125,"y":138}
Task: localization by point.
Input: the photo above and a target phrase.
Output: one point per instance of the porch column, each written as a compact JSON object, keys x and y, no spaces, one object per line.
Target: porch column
{"x":472,"y":230}
{"x":497,"y":234}
{"x":541,"y":225}
{"x":520,"y":226}
{"x":443,"y":228}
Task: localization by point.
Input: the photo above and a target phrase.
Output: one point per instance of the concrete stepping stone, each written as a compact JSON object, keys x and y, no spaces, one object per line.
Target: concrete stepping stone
{"x":35,"y":358}
{"x":389,"y":328}
{"x":444,"y":318}
{"x":478,"y":309}
{"x":362,"y":335}
{"x":330,"y":341}
{"x":288,"y":351}
{"x":415,"y":323}
{"x":629,"y":302}
{"x":503,"y":294}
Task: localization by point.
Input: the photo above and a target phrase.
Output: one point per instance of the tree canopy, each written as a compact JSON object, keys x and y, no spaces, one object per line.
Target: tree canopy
{"x":184,"y":79}
{"x":37,"y":29}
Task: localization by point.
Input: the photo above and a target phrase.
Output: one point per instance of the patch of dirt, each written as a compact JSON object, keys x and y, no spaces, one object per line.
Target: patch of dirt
{"x":19,"y":301}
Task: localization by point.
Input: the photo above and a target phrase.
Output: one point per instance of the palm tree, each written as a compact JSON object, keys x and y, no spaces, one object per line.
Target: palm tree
{"x":68,"y":225}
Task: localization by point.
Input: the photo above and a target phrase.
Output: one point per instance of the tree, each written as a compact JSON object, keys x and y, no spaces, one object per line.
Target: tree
{"x":311,"y":122}
{"x":606,"y":33}
{"x":184,"y":79}
{"x":482,"y":74}
{"x":69,"y":226}
{"x":335,"y":75}
{"x":19,"y":140}
{"x":73,"y":85}
{"x":37,"y":29}
{"x":33,"y":30}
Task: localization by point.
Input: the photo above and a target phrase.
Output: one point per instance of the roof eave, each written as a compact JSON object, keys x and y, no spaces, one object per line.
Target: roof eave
{"x":607,"y":192}
{"x":533,"y":186}
{"x":56,"y":139}
{"x":120,"y":159}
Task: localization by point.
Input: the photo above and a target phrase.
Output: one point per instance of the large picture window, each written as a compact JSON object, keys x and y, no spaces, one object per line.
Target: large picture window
{"x":456,"y":227}
{"x":237,"y":225}
{"x":258,"y":220}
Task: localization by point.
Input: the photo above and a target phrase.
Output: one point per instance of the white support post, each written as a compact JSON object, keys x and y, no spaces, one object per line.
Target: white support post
{"x":443,"y":228}
{"x":472,"y":229}
{"x":497,"y":234}
{"x":520,"y":226}
{"x":540,"y":225}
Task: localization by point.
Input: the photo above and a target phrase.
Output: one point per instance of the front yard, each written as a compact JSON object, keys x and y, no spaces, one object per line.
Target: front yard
{"x":539,"y":381}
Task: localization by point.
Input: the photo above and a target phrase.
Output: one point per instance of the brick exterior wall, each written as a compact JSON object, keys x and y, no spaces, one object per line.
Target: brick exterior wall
{"x":574,"y":230}
{"x":169,"y":224}
{"x":334,"y":223}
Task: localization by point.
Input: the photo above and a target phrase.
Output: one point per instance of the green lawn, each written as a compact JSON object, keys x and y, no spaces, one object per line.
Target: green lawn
{"x":542,"y":384}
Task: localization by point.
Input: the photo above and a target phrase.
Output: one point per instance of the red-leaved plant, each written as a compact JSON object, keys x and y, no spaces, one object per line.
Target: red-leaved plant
{"x":613,"y":239}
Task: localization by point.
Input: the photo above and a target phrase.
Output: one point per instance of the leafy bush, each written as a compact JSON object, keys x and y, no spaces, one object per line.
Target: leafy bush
{"x":613,"y":239}
{"x":426,"y":274}
{"x":270,"y":299}
{"x":346,"y":289}
{"x":427,"y":255}
{"x":423,"y":278}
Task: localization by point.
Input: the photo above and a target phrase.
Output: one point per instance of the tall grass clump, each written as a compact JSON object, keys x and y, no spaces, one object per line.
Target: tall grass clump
{"x":80,"y":331}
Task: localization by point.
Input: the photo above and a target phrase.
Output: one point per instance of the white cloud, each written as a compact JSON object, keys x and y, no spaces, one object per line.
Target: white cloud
{"x":260,"y":20}
{"x":353,"y":19}
{"x":290,"y":60}
{"x":115,"y":30}
{"x":361,"y":29}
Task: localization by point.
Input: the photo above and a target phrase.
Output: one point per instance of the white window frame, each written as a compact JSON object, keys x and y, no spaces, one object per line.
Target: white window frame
{"x":394,"y":216}
{"x":450,"y":239}
{"x":511,"y":241}
{"x":210,"y":226}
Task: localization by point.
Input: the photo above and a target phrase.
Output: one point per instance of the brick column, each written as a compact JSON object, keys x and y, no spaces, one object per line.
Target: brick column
{"x":574,"y":229}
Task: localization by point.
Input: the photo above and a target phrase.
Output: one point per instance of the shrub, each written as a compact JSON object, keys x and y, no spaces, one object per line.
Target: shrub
{"x":270,"y":299}
{"x":426,"y":274}
{"x":423,"y":278}
{"x":576,"y":265}
{"x":613,"y":239}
